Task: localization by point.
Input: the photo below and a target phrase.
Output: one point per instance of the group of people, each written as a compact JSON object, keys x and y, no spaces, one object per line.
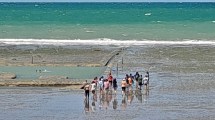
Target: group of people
{"x":105,"y":85}
{"x":102,"y":84}
{"x":128,"y":82}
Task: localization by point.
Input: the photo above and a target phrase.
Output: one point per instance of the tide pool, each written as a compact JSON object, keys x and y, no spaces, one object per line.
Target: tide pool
{"x":34,"y":72}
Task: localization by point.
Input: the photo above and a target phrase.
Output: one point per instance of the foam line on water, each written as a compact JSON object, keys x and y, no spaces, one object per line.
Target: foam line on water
{"x":104,"y":41}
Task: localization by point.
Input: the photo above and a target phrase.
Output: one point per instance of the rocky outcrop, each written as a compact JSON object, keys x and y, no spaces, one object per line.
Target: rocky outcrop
{"x":65,"y":82}
{"x":5,"y":75}
{"x":53,"y":77}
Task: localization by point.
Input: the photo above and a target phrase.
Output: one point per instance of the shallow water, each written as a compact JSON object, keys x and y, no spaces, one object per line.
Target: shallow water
{"x":165,"y":101}
{"x":34,"y":72}
{"x":181,"y":87}
{"x":58,"y":103}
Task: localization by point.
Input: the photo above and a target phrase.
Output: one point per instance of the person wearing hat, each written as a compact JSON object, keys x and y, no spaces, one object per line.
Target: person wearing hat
{"x":123,"y":85}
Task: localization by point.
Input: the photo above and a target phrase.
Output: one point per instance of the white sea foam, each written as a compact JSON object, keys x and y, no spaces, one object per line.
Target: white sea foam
{"x":148,"y":14}
{"x":88,"y":31}
{"x":104,"y":41}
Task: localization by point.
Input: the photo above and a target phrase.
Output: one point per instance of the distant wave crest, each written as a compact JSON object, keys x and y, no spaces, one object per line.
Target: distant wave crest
{"x":102,"y":41}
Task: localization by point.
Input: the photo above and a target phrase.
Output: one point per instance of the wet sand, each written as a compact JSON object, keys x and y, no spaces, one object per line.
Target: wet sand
{"x":181,"y":87}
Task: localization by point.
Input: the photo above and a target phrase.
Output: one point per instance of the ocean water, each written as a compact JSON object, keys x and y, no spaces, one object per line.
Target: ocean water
{"x":107,"y":23}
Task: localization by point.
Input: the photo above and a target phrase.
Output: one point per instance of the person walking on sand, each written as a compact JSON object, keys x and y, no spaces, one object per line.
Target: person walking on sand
{"x":123,"y":85}
{"x":115,"y":85}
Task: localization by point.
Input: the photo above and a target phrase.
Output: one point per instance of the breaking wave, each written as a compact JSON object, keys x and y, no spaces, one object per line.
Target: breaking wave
{"x":104,"y":41}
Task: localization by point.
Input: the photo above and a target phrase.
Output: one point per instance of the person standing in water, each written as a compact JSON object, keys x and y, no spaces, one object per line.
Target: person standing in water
{"x":145,"y":82}
{"x":87,"y":90}
{"x":136,"y":76}
{"x":115,"y":85}
{"x":140,"y":79}
{"x":106,"y":86}
{"x":147,"y":73}
{"x":130,"y":82}
{"x":93,"y":87}
{"x":123,"y":85}
{"x":101,"y":86}
{"x":110,"y":79}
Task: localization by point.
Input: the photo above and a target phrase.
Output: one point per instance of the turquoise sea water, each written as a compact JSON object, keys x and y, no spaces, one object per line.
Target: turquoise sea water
{"x":112,"y":21}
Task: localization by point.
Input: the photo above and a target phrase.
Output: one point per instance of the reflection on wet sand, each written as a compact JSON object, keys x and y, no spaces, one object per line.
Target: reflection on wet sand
{"x":115,"y":103}
{"x":86,"y":106}
{"x":139,"y":95}
{"x":124,"y":103}
{"x":130,"y":96}
{"x":109,"y":100}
